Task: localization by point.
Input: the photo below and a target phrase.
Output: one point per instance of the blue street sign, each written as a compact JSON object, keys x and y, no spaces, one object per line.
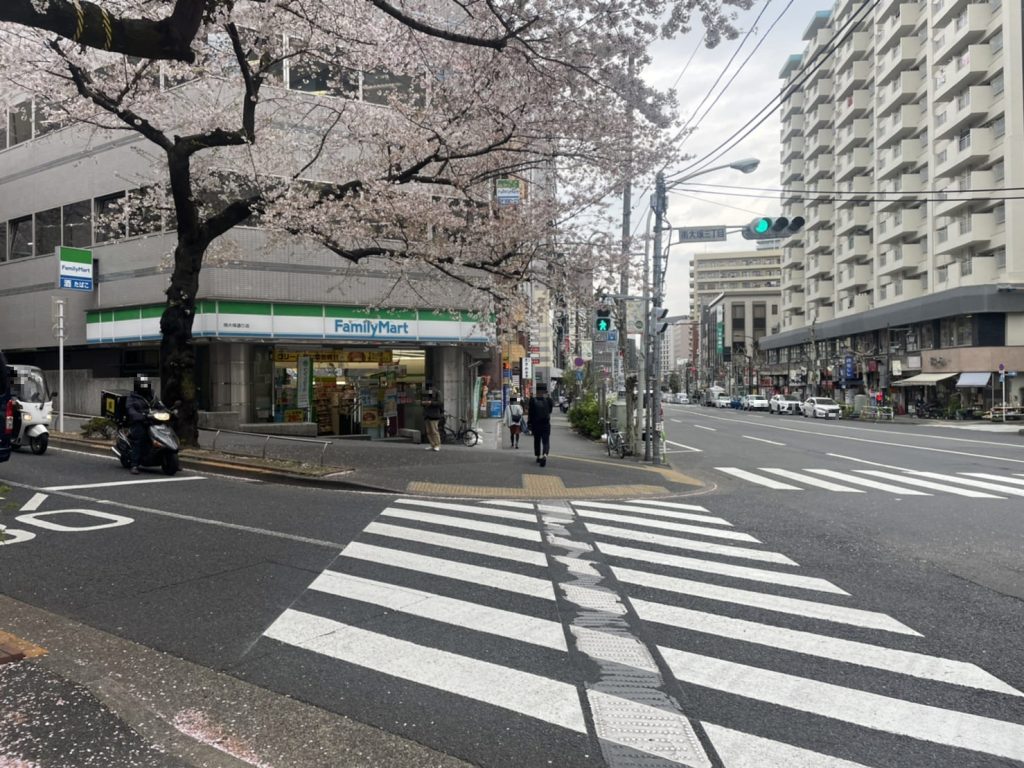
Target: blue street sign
{"x":76,"y":283}
{"x":851,"y":371}
{"x":613,"y":335}
{"x":579,"y":375}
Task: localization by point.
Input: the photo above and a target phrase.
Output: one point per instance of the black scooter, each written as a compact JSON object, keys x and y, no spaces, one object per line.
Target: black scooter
{"x":160,"y":449}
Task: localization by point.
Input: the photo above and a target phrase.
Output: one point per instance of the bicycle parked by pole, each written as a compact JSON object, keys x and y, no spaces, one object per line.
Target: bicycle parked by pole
{"x":465,"y":434}
{"x":615,"y":441}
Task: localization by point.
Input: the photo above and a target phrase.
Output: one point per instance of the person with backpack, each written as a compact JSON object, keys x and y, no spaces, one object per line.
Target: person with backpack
{"x":539,"y":415}
{"x":514,"y":420}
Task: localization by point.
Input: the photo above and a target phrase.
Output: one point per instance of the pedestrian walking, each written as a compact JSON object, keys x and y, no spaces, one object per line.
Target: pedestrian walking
{"x":538,"y":414}
{"x":514,"y":420}
{"x":433,"y":415}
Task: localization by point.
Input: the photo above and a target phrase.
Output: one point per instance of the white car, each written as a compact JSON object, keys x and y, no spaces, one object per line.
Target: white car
{"x":821,"y":408}
{"x":755,"y":403}
{"x":683,"y":399}
{"x":723,"y":401}
{"x":784,"y":404}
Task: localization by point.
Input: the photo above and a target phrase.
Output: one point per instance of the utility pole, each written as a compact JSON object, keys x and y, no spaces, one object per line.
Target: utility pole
{"x":659,"y":203}
{"x":624,"y":264}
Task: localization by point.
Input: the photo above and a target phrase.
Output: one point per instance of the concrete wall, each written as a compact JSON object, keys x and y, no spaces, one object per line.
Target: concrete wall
{"x":81,"y":393}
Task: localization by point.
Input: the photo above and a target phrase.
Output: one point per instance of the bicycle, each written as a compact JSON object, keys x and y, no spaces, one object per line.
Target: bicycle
{"x":615,"y":442}
{"x":465,"y":434}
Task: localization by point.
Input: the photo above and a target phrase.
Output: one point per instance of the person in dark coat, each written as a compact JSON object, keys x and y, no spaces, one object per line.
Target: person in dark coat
{"x":538,"y":414}
{"x":137,"y":408}
{"x":433,"y":415}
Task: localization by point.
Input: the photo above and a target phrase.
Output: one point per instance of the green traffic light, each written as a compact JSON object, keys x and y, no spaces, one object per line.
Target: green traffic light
{"x":604,"y":324}
{"x":763,"y":225}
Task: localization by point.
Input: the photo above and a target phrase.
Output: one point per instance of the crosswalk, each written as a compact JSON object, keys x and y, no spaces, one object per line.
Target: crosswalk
{"x":900,"y":482}
{"x":477,"y":628}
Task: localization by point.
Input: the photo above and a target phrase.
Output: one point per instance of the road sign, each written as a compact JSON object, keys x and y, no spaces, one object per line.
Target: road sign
{"x":701,"y":234}
{"x":613,"y":335}
{"x":601,"y":336}
{"x":579,"y":375}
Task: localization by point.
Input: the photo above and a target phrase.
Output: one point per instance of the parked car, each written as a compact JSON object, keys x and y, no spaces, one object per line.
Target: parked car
{"x":683,"y":399}
{"x":785,"y":404}
{"x":6,"y":410}
{"x":723,"y":401}
{"x":821,"y":408}
{"x":755,"y":403}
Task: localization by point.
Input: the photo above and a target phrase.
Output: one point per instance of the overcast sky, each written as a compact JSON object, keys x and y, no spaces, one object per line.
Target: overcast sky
{"x":754,"y":87}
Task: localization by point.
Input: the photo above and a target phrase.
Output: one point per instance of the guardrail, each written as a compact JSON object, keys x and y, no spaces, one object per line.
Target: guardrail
{"x":876,"y":412}
{"x":266,"y":442}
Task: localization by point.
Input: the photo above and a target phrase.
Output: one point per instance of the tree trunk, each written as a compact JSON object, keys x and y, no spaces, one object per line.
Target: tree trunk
{"x":177,"y":353}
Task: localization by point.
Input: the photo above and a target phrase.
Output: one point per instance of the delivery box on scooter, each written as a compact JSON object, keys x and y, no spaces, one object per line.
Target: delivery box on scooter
{"x":114,"y":406}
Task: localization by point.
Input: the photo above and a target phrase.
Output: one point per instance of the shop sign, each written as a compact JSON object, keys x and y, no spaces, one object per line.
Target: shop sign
{"x":74,"y":268}
{"x":370,"y":417}
{"x":527,"y":369}
{"x":335,"y":355}
{"x":304,"y":382}
{"x":292,"y":415}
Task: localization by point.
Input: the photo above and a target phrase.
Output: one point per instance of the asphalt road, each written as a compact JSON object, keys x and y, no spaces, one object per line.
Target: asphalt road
{"x":747,"y":626}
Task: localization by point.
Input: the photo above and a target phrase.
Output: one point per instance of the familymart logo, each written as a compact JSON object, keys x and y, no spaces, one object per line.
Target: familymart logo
{"x":372,"y":328}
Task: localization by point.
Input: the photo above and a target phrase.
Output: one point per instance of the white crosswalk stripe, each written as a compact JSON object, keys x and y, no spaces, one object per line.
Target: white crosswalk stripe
{"x":442,"y":595}
{"x":902,"y":482}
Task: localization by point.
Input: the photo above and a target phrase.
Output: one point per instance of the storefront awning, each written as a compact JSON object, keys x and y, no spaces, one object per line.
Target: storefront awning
{"x":974,"y":379}
{"x":924,"y":379}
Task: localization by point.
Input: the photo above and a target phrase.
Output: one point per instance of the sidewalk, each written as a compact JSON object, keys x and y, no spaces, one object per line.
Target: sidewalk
{"x":577,"y":467}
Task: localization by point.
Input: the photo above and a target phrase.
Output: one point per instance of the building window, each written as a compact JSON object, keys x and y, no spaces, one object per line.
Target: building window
{"x":3,"y":243}
{"x":110,"y":217}
{"x":47,"y":231}
{"x":145,"y":215}
{"x":19,"y":235}
{"x":78,"y":224}
{"x":999,"y":127}
{"x":999,"y":213}
{"x":1000,"y":258}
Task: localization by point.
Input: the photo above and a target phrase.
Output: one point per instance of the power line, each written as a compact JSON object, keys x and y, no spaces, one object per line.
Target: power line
{"x":876,"y":197}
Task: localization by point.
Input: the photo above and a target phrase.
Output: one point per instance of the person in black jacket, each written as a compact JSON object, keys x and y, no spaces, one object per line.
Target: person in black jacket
{"x":137,"y":408}
{"x":433,"y":415}
{"x":539,"y":416}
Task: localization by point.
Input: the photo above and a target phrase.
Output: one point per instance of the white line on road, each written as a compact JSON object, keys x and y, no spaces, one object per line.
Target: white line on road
{"x":742,"y":474}
{"x":869,"y":710}
{"x":1000,"y":478}
{"x":763,"y":601}
{"x":33,"y":504}
{"x":123,"y":482}
{"x":547,"y":700}
{"x":848,"y":478}
{"x":654,"y":508}
{"x":689,"y":448}
{"x":628,"y":521}
{"x":823,"y":646}
{"x":927,"y":484}
{"x":701,"y":426}
{"x":762,"y":440}
{"x":744,"y":750}
{"x":998,"y":488}
{"x":460,"y":543}
{"x":816,"y":482}
{"x":679,"y":542}
{"x":462,"y":522}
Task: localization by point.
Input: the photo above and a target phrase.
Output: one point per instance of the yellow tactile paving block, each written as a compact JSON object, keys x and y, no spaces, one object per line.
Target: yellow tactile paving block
{"x":537,"y":487}
{"x":12,"y":648}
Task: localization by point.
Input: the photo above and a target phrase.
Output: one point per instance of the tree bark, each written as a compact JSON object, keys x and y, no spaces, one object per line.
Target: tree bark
{"x":177,"y":352}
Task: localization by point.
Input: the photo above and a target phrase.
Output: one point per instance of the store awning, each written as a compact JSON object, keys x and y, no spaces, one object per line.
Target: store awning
{"x":924,"y":379}
{"x":974,"y":379}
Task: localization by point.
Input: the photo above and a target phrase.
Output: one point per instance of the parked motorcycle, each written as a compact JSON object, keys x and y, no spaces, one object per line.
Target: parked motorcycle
{"x":32,"y":409}
{"x":159,"y":449}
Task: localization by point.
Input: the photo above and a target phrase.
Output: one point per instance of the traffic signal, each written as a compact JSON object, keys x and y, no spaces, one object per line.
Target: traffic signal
{"x":603,"y":321}
{"x":764,"y":228}
{"x":658,"y":316}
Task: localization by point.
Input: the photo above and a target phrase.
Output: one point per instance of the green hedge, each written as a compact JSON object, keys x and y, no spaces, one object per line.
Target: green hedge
{"x":584,"y":416}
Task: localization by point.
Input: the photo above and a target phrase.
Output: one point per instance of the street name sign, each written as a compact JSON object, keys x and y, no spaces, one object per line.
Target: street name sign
{"x":701,"y":234}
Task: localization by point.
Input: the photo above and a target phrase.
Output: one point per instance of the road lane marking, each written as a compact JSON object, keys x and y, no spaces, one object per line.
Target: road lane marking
{"x":526,"y":517}
{"x":998,"y":488}
{"x":742,"y":474}
{"x":34,"y":503}
{"x":816,"y":482}
{"x":679,"y":542}
{"x":123,"y":482}
{"x":689,"y":448}
{"x":652,"y":508}
{"x":722,"y":569}
{"x":848,"y":478}
{"x":823,"y":646}
{"x":810,"y":609}
{"x":868,"y":710}
{"x":462,"y":522}
{"x":701,"y":426}
{"x":460,"y":543}
{"x":927,"y":484}
{"x":763,"y":440}
{"x":547,"y":700}
{"x":1000,"y":478}
{"x":447,"y":610}
{"x":743,"y":750}
{"x":450,"y":569}
{"x":617,"y":520}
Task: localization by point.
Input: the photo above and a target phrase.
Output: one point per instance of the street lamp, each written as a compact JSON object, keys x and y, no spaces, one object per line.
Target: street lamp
{"x":659,"y":205}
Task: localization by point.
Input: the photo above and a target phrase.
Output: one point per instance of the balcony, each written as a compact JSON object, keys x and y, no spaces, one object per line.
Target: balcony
{"x":973,"y":230}
{"x":820,"y":92}
{"x":906,"y":121}
{"x":903,"y":258}
{"x":794,"y":193}
{"x":820,"y":116}
{"x":792,"y":127}
{"x":901,"y":24}
{"x":972,"y":148}
{"x":854,"y":76}
{"x":819,"y":241}
{"x":853,"y":134}
{"x":856,"y":104}
{"x":821,"y":167}
{"x":944,"y":10}
{"x":904,"y":224}
{"x":901,"y":56}
{"x":792,"y":279}
{"x":853,"y":276}
{"x":968,"y":108}
{"x":792,"y":149}
{"x":980,"y":270}
{"x":904,"y":89}
{"x":820,"y":215}
{"x":820,"y":265}
{"x":856,"y":189}
{"x":896,"y":191}
{"x":793,"y":256}
{"x":819,"y":141}
{"x":965,"y":29}
{"x":855,"y":162}
{"x":793,"y":105}
{"x":858,"y":217}
{"x":970,"y":68}
{"x":896,"y":160}
{"x":820,"y":291}
{"x":960,"y":196}
{"x":793,"y":171}
{"x":854,"y":248}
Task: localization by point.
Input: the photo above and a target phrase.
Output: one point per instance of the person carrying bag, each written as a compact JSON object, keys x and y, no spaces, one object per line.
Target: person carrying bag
{"x":514,"y":420}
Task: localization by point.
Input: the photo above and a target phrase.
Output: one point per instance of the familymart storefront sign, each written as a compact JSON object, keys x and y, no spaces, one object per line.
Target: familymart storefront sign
{"x":239,"y":320}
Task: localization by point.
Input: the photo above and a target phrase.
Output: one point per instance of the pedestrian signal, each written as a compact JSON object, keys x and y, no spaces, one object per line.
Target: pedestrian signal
{"x":765,"y":228}
{"x":603,"y":321}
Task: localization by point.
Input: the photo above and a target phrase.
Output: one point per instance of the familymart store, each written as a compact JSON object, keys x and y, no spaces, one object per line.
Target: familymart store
{"x":349,"y":370}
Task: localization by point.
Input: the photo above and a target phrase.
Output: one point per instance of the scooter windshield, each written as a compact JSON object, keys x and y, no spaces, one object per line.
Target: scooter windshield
{"x":30,"y":387}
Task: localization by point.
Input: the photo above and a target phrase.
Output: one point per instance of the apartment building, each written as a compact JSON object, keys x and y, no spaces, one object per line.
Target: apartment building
{"x":901,"y":145}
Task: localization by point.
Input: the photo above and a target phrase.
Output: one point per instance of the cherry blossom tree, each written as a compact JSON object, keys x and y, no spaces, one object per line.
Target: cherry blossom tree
{"x":379,"y":131}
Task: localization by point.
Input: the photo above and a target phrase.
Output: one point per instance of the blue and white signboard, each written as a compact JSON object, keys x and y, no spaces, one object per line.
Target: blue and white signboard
{"x":851,"y":371}
{"x":74,"y":268}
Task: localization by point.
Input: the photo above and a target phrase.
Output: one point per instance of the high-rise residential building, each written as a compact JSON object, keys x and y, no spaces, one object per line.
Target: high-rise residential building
{"x":902,"y":128}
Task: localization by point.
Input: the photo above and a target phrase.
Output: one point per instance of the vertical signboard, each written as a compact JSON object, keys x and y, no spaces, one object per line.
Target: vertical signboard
{"x":74,"y":268}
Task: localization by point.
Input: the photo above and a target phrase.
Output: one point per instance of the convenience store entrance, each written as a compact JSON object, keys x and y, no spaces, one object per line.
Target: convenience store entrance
{"x":349,"y":391}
